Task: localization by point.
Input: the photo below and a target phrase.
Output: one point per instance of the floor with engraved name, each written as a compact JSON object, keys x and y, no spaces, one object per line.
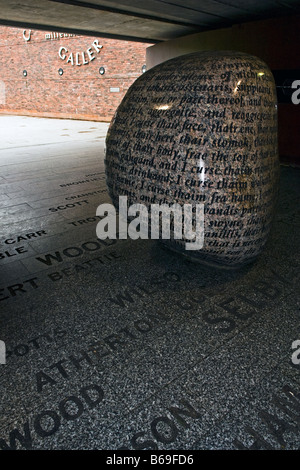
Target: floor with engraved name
{"x":122,"y":344}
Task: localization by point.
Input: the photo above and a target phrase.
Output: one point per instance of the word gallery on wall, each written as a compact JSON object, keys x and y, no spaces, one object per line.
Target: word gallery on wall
{"x":52,"y":74}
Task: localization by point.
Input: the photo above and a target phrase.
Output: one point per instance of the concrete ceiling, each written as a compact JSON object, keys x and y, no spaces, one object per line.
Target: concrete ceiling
{"x":148,"y":21}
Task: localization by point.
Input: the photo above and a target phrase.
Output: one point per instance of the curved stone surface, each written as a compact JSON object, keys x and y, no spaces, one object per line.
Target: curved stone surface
{"x":202,"y":128}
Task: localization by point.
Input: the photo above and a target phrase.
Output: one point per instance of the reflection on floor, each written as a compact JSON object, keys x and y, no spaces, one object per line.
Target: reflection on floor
{"x":123,"y":344}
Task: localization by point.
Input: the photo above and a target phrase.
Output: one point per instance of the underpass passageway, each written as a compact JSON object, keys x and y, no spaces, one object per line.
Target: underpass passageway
{"x":120,"y":343}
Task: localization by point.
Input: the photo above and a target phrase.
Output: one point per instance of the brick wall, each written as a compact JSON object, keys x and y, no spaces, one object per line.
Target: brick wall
{"x":81,"y":92}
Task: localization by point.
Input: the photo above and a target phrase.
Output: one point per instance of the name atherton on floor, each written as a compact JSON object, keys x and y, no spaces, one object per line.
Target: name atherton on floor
{"x":120,"y":344}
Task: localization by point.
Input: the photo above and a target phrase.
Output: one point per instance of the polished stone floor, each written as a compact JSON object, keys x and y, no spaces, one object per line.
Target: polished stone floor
{"x":122,"y":344}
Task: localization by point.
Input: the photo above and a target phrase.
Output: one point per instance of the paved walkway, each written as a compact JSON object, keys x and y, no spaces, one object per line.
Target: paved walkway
{"x":125,"y":345}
